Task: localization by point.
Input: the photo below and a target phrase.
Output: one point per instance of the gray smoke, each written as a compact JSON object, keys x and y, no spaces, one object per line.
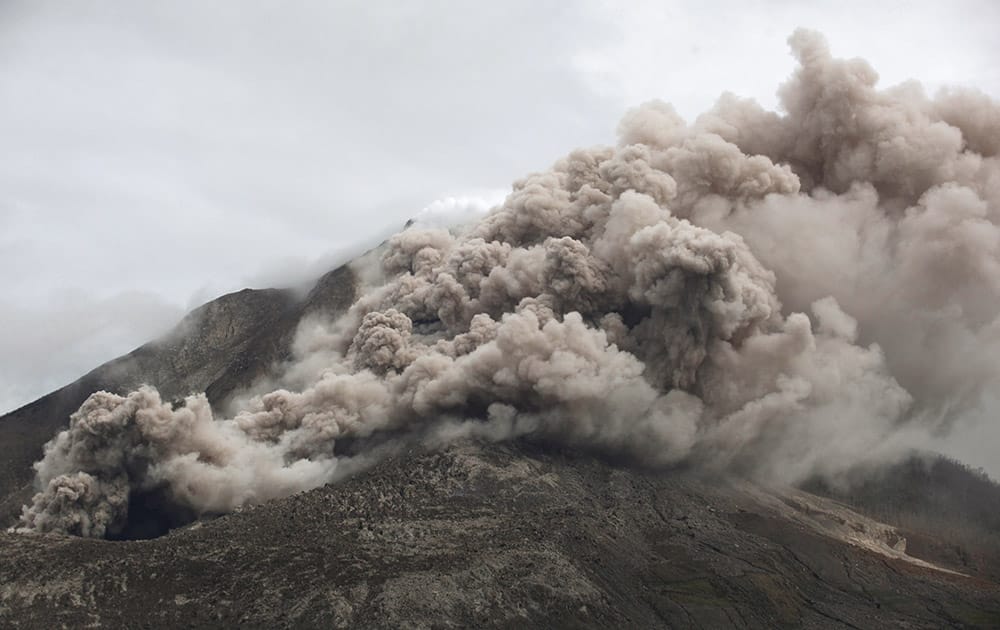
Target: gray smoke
{"x":780,"y":294}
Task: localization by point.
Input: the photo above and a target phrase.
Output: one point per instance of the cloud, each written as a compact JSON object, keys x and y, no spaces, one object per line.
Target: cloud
{"x":45,"y":347}
{"x":694,"y":51}
{"x":238,"y":128}
{"x":188,"y":151}
{"x":778,"y":295}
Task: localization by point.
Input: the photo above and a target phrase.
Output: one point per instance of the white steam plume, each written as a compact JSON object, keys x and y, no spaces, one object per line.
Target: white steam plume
{"x":785,"y":294}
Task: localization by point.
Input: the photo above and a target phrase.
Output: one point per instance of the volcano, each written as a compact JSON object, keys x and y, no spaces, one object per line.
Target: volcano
{"x":698,"y":378}
{"x":491,"y":534}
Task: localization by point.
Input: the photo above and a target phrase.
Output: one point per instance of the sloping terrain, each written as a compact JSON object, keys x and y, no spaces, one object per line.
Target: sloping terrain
{"x":510,"y":535}
{"x":948,"y":513}
{"x":217,"y":348}
{"x":779,"y":295}
{"x":507,"y":535}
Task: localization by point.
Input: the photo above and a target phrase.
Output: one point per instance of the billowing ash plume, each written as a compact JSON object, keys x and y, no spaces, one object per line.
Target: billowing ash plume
{"x":783,"y":294}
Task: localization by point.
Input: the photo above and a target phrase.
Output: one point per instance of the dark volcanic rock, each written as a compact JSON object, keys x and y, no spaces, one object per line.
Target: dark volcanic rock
{"x":507,"y":536}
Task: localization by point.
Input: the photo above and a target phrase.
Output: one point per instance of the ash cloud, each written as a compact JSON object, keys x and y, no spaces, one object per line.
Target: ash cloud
{"x":780,"y":294}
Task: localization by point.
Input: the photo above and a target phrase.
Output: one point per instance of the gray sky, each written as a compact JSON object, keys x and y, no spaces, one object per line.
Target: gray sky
{"x":156,"y":155}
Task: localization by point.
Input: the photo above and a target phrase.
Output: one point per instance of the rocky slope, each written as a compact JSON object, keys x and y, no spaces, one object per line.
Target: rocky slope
{"x":513,"y":535}
{"x":217,"y":348}
{"x":502,"y":535}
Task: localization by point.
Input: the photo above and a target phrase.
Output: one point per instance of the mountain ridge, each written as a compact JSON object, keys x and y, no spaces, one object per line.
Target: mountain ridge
{"x":523,"y":533}
{"x":217,"y":348}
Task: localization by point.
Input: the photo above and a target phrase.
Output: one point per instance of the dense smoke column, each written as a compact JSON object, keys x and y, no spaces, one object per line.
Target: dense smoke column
{"x":779,"y":294}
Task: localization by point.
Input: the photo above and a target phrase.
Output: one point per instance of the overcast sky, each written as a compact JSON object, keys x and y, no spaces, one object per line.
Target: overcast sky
{"x":154,"y":155}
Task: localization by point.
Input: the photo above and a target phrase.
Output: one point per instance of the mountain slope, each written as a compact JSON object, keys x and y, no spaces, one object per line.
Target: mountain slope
{"x":791,"y":295}
{"x":218,"y":348}
{"x":503,"y":534}
{"x":499,"y":535}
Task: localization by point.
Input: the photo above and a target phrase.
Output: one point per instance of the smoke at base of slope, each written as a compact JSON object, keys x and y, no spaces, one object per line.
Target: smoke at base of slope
{"x":787,"y":295}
